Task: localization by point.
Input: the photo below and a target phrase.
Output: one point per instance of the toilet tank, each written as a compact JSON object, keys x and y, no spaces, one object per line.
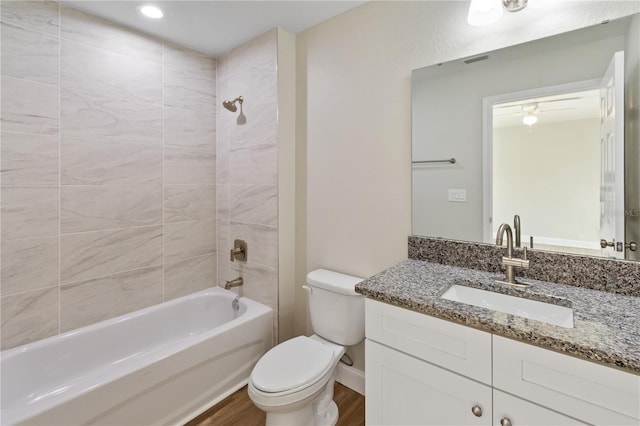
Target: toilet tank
{"x":337,"y":311}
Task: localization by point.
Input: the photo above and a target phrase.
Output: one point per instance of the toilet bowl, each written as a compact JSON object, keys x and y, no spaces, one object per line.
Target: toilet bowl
{"x":293,"y":382}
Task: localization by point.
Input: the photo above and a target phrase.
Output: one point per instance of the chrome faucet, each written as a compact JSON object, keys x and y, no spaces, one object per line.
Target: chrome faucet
{"x":233,"y":283}
{"x":516,"y":227}
{"x":510,"y":262}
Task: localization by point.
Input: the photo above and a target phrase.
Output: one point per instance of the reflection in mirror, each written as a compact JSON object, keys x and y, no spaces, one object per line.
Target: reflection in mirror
{"x":559,"y":173}
{"x":536,"y":174}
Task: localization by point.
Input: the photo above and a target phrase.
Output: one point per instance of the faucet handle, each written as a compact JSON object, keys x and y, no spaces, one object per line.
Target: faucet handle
{"x":524,"y":253}
{"x":514,"y":261}
{"x":239,"y":251}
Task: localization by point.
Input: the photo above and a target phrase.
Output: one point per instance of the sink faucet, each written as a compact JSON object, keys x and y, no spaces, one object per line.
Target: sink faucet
{"x":233,"y":283}
{"x":510,"y":262}
{"x":516,"y":226}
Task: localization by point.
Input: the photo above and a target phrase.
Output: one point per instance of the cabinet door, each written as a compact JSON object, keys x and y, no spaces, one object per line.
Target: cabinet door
{"x":520,"y":412}
{"x":403,"y":390}
{"x":587,"y":391}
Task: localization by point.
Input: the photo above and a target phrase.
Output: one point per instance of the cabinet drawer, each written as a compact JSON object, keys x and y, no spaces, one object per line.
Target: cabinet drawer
{"x":521,"y":412}
{"x":403,"y":390}
{"x":587,"y":391}
{"x":455,"y":347}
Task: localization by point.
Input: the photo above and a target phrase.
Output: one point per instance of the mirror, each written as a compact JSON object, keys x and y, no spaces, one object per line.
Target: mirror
{"x":476,"y":164}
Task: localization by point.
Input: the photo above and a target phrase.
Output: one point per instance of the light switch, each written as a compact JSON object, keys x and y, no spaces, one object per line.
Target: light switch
{"x":458,"y":195}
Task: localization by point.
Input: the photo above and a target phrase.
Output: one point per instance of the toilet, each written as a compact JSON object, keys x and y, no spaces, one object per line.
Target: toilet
{"x":293,"y":382}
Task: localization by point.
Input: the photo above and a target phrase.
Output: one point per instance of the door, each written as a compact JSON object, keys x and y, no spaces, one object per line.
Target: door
{"x":403,"y":390}
{"x":612,"y":158}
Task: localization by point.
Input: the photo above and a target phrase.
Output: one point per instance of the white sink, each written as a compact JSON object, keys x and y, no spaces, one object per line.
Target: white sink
{"x":532,"y":309}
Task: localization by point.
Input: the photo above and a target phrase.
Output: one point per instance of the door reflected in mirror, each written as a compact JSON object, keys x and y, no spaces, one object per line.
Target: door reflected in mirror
{"x":557,"y":161}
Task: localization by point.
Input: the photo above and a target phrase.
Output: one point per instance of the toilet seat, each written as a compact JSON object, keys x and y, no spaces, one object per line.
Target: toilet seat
{"x":292,"y":366}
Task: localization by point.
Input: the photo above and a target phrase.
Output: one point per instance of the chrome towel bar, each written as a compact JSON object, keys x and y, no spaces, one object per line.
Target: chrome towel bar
{"x":449,"y":160}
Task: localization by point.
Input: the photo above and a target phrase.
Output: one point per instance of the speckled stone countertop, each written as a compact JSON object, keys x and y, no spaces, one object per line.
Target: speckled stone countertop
{"x":606,"y":325}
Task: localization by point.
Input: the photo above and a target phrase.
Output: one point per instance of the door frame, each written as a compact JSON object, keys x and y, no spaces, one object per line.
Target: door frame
{"x":487,"y":138}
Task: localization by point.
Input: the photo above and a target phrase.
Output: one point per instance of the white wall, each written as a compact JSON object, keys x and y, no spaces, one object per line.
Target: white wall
{"x":537,"y":175}
{"x":354,"y":138}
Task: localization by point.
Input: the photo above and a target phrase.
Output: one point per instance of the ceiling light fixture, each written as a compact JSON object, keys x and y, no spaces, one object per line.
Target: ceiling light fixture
{"x":529,"y":119}
{"x":530,"y":109}
{"x":150,"y":11}
{"x":486,"y":12}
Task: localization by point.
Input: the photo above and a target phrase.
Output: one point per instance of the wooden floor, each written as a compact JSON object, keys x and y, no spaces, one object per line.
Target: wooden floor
{"x":238,"y":409}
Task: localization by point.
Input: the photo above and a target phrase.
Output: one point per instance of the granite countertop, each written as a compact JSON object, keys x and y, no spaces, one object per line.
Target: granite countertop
{"x":606,"y":325}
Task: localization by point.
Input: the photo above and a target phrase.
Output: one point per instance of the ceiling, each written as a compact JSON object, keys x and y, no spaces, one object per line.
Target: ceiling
{"x":564,"y":107}
{"x":214,"y":27}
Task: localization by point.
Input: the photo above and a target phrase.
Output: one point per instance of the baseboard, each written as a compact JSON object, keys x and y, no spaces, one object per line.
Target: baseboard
{"x":350,"y":377}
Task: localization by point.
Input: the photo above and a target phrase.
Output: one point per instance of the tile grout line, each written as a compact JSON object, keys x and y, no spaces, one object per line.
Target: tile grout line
{"x":59,"y":169}
{"x":98,"y":230}
{"x":101,"y":277}
{"x":162,"y":131}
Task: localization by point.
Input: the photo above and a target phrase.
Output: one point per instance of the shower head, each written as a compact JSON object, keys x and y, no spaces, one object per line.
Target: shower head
{"x":231,"y":105}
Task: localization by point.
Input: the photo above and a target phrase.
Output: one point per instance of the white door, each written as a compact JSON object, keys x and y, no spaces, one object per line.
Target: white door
{"x":507,"y":409}
{"x":612,"y":158}
{"x":403,"y":390}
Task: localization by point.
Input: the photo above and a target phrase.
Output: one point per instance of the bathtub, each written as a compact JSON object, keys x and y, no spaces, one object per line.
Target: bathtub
{"x":160,"y":365}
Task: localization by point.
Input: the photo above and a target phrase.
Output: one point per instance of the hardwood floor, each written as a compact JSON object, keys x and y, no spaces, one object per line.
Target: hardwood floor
{"x":238,"y":410}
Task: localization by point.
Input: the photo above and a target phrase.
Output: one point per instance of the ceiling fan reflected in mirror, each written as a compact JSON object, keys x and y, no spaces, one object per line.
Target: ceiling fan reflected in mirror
{"x":553,"y":108}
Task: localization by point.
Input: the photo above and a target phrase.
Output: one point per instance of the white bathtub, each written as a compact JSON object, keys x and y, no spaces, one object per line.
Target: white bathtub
{"x":161,"y":365}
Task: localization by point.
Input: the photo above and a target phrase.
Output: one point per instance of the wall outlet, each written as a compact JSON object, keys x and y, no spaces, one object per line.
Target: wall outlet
{"x":458,"y":195}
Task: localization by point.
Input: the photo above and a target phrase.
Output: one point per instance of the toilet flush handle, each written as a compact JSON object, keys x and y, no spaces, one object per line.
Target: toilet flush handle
{"x":306,"y":287}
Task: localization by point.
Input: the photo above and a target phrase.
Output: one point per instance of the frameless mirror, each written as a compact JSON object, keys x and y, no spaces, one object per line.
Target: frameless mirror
{"x":547,"y":130}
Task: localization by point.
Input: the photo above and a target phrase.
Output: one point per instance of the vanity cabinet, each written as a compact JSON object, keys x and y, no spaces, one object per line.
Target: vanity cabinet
{"x":421,"y":370}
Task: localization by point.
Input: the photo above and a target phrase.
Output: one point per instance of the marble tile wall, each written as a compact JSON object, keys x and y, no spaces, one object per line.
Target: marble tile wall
{"x":108,"y":173}
{"x":247,"y":169}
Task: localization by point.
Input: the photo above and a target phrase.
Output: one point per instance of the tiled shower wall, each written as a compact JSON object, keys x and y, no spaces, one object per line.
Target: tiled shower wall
{"x":107,"y":171}
{"x":247,"y":168}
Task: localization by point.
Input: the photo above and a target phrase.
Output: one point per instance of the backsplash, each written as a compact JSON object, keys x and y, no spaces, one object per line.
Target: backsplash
{"x":615,"y":276}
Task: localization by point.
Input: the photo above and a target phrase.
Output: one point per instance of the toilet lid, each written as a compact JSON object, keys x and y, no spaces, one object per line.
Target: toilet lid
{"x":296,"y":363}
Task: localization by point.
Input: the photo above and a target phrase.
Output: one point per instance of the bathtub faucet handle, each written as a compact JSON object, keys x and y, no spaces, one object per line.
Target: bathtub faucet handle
{"x":239,"y":251}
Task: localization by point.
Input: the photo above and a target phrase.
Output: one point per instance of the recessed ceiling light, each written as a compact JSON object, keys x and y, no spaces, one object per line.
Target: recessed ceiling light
{"x":151,"y":11}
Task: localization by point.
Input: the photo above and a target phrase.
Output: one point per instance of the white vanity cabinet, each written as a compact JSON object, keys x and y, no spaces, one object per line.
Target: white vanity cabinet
{"x":422,"y":370}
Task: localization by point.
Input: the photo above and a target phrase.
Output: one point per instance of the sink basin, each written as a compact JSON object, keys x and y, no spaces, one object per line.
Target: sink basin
{"x":532,"y":309}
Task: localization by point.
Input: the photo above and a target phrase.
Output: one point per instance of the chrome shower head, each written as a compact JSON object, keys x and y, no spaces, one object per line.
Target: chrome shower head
{"x":231,"y":105}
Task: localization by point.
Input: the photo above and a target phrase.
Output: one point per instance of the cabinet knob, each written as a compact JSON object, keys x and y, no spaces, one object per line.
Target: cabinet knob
{"x":476,"y":410}
{"x":505,"y":421}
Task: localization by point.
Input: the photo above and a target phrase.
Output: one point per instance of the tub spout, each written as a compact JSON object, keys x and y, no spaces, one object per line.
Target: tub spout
{"x":233,"y":283}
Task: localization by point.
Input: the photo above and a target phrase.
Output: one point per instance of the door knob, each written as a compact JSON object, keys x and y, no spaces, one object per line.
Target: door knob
{"x":604,"y":244}
{"x":632,"y":246}
{"x":476,"y":410}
